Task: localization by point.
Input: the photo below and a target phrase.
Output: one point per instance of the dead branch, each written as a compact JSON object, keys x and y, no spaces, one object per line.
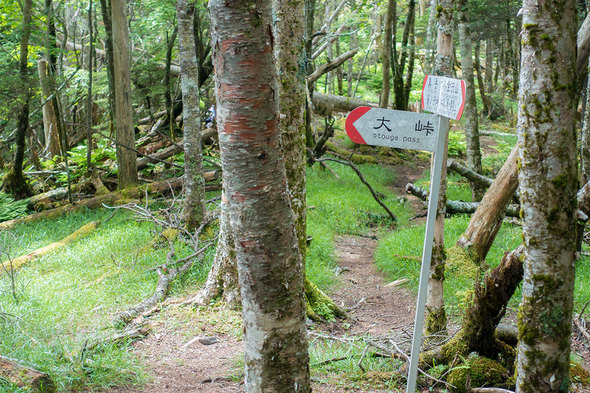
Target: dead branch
{"x":123,"y":337}
{"x":167,"y":275}
{"x":490,"y":390}
{"x":480,"y":180}
{"x":332,"y":65}
{"x":580,"y":326}
{"x":25,"y":377}
{"x":458,"y":207}
{"x":320,"y":147}
{"x":365,"y":182}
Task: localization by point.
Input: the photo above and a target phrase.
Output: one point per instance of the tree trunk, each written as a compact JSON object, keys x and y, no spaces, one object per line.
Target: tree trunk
{"x":194,"y":183}
{"x":14,"y":181}
{"x":548,"y":186}
{"x":487,"y":220}
{"x":436,"y":319}
{"x":126,"y":158}
{"x":485,"y":99}
{"x":585,"y":143}
{"x":269,"y":264}
{"x":430,"y":38}
{"x":49,"y":116}
{"x":390,"y":18}
{"x":400,"y":64}
{"x":105,"y":8}
{"x":167,"y":88}
{"x":411,"y":57}
{"x":309,"y":13}
{"x":89,"y":92}
{"x":288,"y":32}
{"x":470,"y":115}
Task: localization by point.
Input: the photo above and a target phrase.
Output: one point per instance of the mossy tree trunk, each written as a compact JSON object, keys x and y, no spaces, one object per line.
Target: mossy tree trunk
{"x":436,"y":319}
{"x":14,"y":181}
{"x":194,"y":182}
{"x":470,"y":115}
{"x":269,"y":263}
{"x":481,"y":318}
{"x":548,"y":186}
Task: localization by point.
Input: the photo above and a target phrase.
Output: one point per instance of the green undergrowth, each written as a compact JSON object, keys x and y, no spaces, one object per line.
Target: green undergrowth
{"x":353,"y":364}
{"x":342,"y":205}
{"x":70,"y":296}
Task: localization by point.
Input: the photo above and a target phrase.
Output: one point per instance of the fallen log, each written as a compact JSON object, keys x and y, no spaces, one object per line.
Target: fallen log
{"x":472,"y":176}
{"x":458,"y":207}
{"x":164,"y":187}
{"x":159,"y":157}
{"x":25,"y":377}
{"x":16,"y":263}
{"x":326,"y":103}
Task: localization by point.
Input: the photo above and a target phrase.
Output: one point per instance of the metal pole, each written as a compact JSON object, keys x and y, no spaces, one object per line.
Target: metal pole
{"x":427,"y":252}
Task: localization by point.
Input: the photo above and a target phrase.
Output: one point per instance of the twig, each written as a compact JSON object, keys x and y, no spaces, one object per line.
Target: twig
{"x":583,"y":309}
{"x":365,"y":182}
{"x":328,"y":361}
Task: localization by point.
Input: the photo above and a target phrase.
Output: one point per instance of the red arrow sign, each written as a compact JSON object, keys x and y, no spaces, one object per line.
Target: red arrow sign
{"x":392,"y":128}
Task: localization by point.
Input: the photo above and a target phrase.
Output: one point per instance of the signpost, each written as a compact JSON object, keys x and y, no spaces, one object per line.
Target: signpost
{"x":418,"y":131}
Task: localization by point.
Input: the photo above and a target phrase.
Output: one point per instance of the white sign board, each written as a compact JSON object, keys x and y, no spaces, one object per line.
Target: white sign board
{"x":392,"y":128}
{"x":443,"y":96}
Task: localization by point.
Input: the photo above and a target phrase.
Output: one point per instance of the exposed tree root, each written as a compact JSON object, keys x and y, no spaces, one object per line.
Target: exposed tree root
{"x":483,"y":316}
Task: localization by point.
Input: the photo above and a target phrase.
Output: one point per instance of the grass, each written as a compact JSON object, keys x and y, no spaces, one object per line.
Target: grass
{"x":69,"y":296}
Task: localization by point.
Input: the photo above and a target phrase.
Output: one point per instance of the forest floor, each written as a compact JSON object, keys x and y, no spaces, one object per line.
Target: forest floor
{"x":201,"y":350}
{"x":372,"y":307}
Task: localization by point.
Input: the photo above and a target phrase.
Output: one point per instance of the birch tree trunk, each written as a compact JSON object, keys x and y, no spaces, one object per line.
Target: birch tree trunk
{"x":289,"y":51}
{"x":436,"y":319}
{"x":548,"y":185}
{"x":126,"y":158}
{"x":194,"y":183}
{"x":471,"y":121}
{"x":261,"y":220}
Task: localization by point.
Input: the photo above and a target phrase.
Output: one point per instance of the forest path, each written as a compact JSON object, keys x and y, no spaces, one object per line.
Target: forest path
{"x":174,"y":366}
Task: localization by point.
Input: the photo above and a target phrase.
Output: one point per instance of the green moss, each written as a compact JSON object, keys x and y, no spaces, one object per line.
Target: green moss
{"x":480,"y":371}
{"x":436,"y":321}
{"x":460,"y":263}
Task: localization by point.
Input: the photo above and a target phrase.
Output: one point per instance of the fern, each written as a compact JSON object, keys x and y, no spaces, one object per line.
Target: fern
{"x":11,"y":209}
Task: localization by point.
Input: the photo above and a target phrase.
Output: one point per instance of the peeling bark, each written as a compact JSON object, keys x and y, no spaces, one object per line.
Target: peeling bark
{"x":269,"y":263}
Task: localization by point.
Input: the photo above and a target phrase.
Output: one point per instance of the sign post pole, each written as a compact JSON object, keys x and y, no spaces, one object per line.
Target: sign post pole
{"x":444,"y":97}
{"x":427,"y":251}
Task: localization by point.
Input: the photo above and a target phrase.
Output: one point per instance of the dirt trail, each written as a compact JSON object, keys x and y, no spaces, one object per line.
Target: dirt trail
{"x":372,"y":308}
